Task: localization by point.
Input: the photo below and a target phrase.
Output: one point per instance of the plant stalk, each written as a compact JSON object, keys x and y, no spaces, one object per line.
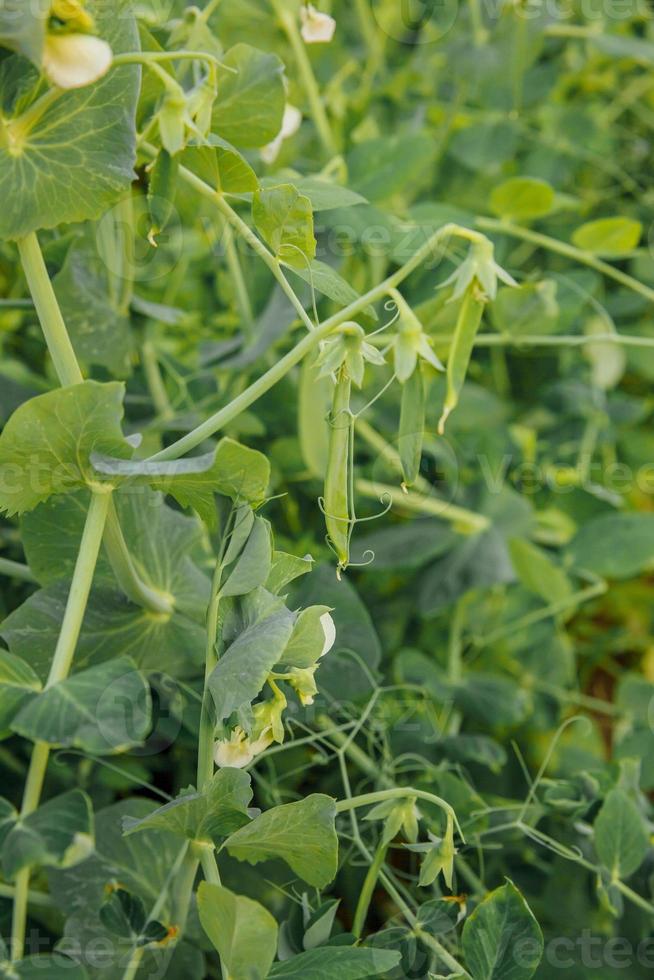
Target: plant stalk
{"x":69,"y":373}
{"x":60,"y":668}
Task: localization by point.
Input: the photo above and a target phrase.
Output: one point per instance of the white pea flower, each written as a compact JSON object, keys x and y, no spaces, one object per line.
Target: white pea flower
{"x":303,"y":682}
{"x":329,"y":629}
{"x":290,"y":125}
{"x":317,"y":28}
{"x":234,"y":752}
{"x":75,"y":60}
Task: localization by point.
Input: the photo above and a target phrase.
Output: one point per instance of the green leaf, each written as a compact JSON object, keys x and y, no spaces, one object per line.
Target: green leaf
{"x":233,"y":470}
{"x":222,"y":166}
{"x":621,"y":837}
{"x":285,"y":569}
{"x":615,"y":545}
{"x":77,"y":159}
{"x":284,"y":218}
{"x":538,"y":572}
{"x":208,"y":816}
{"x":103,"y":709}
{"x":307,"y":640}
{"x":501,"y":939}
{"x":55,"y":967}
{"x":522,"y":198}
{"x":527,"y":309}
{"x":324,"y":194}
{"x":608,"y":236}
{"x":243,"y":932}
{"x":59,"y":833}
{"x":22,"y":27}
{"x":18,"y":683}
{"x":252,"y":566}
{"x":46,"y":444}
{"x":98,"y":328}
{"x":301,"y":834}
{"x":243,"y":668}
{"x":336,"y":963}
{"x":327,"y":281}
{"x":250,"y":104}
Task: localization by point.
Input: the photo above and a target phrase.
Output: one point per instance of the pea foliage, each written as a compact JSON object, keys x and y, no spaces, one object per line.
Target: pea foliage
{"x":326,"y":537}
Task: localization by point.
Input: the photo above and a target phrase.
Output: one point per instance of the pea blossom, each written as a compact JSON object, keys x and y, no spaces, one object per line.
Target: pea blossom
{"x":74,"y":60}
{"x":317,"y":28}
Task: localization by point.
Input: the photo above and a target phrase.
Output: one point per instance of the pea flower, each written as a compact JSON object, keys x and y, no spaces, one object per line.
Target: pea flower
{"x":479,"y":267}
{"x":329,"y":629}
{"x":303,"y":682}
{"x":291,"y":122}
{"x":317,"y":28}
{"x":234,"y":752}
{"x":72,"y":56}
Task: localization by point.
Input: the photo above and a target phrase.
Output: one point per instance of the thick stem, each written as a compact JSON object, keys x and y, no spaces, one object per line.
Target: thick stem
{"x":287,"y":19}
{"x":69,"y":373}
{"x":418,"y":503}
{"x":61,"y":663}
{"x":205,"y":735}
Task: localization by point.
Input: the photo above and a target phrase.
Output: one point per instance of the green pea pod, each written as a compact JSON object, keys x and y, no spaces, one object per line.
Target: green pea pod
{"x":465,"y":332}
{"x":412,"y":426}
{"x":161,"y":191}
{"x":336,"y":502}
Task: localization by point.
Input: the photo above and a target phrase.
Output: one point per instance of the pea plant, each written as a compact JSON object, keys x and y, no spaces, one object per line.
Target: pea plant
{"x":326,"y":494}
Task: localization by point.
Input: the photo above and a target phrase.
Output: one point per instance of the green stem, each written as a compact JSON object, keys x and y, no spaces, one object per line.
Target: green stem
{"x":14,"y":569}
{"x":205,"y":735}
{"x":47,"y":308}
{"x":150,"y":58}
{"x":470,"y":522}
{"x":38,"y":899}
{"x":69,"y":373}
{"x":397,"y":793}
{"x":368,"y":888}
{"x":210,"y":866}
{"x":59,"y":669}
{"x":236,"y":273}
{"x":155,"y":382}
{"x":569,"y":251}
{"x":281,"y":368}
{"x":288,"y":21}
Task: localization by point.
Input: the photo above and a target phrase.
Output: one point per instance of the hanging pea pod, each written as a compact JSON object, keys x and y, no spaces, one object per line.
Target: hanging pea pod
{"x":338,"y":478}
{"x":161,"y":192}
{"x":412,"y":426}
{"x":467,"y":325}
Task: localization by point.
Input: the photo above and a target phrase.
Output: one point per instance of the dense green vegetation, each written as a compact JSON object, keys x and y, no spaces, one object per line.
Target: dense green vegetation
{"x":326,"y":479}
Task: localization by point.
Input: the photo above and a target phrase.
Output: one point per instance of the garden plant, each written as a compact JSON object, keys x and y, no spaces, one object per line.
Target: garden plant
{"x":326,"y":476}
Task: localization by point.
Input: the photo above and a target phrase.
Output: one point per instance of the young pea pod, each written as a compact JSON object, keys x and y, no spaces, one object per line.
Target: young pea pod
{"x":336,"y":502}
{"x":467,"y":325}
{"x":161,"y":192}
{"x":412,"y":426}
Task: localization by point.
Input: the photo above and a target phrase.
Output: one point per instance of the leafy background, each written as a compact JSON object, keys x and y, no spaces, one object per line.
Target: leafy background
{"x":511,"y":670}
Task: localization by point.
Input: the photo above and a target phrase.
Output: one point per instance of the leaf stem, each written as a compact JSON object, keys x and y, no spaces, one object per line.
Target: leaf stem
{"x":14,"y":569}
{"x":398,"y":792}
{"x":569,"y":251}
{"x":281,"y":368}
{"x":288,"y":22}
{"x":69,"y":373}
{"x":468,"y":520}
{"x":368,"y":888}
{"x":59,"y":669}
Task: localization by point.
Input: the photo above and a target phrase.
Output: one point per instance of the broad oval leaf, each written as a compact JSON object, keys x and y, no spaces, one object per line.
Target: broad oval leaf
{"x":251,"y":97}
{"x":522,"y":198}
{"x":501,"y":939}
{"x":614,"y":545}
{"x":18,"y":683}
{"x":284,"y":217}
{"x":302,"y":834}
{"x":78,"y":157}
{"x":242,"y":931}
{"x":46,"y":445}
{"x":102,"y":710}
{"x":336,"y":963}
{"x":621,"y":837}
{"x":58,"y":834}
{"x":608,"y":236}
